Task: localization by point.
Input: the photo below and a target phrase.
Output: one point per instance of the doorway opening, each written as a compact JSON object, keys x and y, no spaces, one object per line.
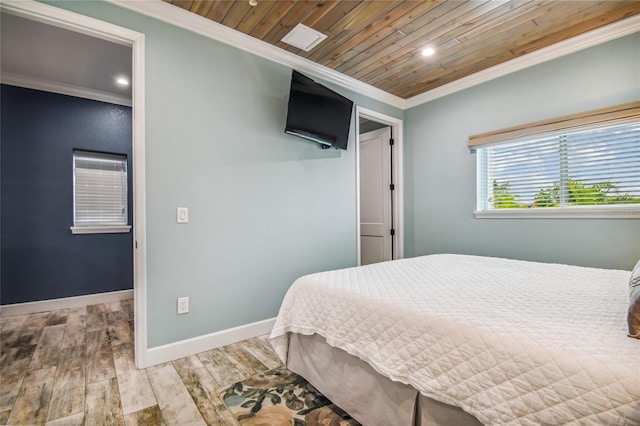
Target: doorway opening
{"x":85,"y":26}
{"x":379,"y":187}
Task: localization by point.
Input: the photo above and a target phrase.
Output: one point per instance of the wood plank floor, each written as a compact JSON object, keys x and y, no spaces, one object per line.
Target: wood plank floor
{"x":76,"y":367}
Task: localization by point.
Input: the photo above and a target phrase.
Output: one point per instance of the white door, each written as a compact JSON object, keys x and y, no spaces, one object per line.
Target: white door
{"x":375,"y":196}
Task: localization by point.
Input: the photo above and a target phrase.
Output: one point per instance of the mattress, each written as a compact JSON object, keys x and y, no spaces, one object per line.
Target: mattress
{"x":510,"y":342}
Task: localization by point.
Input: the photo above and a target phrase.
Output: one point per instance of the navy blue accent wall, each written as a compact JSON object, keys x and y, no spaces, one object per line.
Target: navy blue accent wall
{"x":40,"y":258}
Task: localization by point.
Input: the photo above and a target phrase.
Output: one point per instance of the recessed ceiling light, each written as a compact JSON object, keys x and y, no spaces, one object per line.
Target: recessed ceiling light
{"x":253,"y":3}
{"x":122,"y":81}
{"x":428,"y":51}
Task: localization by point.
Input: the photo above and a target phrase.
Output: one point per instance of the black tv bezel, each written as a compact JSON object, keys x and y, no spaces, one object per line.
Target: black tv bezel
{"x":325,"y":140}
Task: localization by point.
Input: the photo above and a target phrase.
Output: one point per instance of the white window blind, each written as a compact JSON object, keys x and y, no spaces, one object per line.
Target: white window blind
{"x":100,"y":189}
{"x":584,"y":166}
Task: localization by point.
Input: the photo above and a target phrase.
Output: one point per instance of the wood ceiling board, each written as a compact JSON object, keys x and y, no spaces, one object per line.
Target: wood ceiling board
{"x":451,"y":59}
{"x":317,"y":14}
{"x":236,"y":14}
{"x":340,"y":46}
{"x":631,"y":9}
{"x":415,"y":39}
{"x":372,"y":51}
{"x":255,"y":16}
{"x":364,"y":39}
{"x":183,"y":4}
{"x":441,"y":38}
{"x":281,"y":8}
{"x":201,"y":7}
{"x":282,"y":27}
{"x":391,"y":33}
{"x":443,"y":76}
{"x":218,"y":10}
{"x":466,"y":59}
{"x":339,"y":27}
{"x":330,"y":24}
{"x":508,"y":16}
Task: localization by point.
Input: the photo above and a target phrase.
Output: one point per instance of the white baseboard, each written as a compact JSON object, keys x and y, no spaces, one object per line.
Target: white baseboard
{"x":64,"y":303}
{"x":183,"y":348}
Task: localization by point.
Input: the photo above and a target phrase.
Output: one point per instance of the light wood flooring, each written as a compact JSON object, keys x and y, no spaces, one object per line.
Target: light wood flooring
{"x":76,"y":366}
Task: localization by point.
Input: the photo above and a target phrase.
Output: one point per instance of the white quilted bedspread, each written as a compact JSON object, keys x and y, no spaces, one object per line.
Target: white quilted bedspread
{"x":510,"y":342}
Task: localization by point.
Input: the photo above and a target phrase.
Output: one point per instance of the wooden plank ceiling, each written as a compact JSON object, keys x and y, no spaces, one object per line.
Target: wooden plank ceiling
{"x":380,"y":42}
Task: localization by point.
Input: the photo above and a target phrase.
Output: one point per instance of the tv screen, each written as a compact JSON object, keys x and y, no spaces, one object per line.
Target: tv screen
{"x":318,"y":113}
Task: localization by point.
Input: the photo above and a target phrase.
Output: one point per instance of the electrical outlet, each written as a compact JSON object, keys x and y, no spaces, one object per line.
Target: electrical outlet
{"x":183,"y":305}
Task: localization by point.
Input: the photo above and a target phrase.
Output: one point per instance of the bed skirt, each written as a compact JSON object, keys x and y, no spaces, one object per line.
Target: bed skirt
{"x":366,"y":395}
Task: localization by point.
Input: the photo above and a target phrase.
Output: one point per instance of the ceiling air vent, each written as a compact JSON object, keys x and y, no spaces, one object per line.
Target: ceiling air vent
{"x":303,"y":37}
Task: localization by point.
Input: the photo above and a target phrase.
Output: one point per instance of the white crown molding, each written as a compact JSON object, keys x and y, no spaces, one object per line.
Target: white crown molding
{"x":190,"y":21}
{"x":592,"y":38}
{"x":183,"y":348}
{"x":65,"y":303}
{"x":62,"y":88}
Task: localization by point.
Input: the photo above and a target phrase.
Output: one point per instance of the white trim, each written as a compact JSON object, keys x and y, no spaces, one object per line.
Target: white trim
{"x":139,"y":201}
{"x":64,"y":303}
{"x":187,"y":347}
{"x":589,"y":39}
{"x":398,"y":173}
{"x":62,"y":88}
{"x":358,"y":242}
{"x":585,"y":212}
{"x":190,"y":21}
{"x":111,"y":229}
{"x":89,"y":26}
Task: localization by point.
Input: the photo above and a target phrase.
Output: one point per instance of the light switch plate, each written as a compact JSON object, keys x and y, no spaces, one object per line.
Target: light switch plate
{"x":182,"y":215}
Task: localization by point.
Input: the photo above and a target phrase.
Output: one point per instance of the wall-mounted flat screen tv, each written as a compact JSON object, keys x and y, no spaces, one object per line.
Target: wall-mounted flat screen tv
{"x":318,"y":113}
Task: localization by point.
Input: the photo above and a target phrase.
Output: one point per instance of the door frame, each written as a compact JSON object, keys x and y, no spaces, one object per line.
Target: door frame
{"x":103,"y":30}
{"x":397,"y":163}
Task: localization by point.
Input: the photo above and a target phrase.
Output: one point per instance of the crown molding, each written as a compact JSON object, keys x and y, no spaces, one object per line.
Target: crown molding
{"x":190,"y":21}
{"x":592,"y":38}
{"x":62,"y":88}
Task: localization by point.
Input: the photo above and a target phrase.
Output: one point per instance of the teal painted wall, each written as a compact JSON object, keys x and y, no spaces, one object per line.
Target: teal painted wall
{"x":264,"y":207}
{"x":440,"y":171}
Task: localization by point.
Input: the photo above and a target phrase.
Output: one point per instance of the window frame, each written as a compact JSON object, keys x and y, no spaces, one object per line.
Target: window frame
{"x":100,"y":228}
{"x":600,"y":118}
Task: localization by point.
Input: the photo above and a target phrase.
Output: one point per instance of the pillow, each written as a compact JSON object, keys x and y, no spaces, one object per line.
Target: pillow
{"x":633,"y":317}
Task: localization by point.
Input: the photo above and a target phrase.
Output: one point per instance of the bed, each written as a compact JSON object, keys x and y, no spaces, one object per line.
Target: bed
{"x":465,"y":340}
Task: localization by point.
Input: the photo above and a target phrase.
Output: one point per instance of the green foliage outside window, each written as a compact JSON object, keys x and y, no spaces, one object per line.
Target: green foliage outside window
{"x":503,"y":198}
{"x":578,"y":194}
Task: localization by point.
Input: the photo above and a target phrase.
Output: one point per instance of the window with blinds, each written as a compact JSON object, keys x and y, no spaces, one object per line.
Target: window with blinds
{"x":594,"y":165}
{"x":99,"y":189}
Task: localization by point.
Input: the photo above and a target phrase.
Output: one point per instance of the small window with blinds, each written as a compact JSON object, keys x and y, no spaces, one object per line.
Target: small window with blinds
{"x":99,"y":193}
{"x":589,"y":170}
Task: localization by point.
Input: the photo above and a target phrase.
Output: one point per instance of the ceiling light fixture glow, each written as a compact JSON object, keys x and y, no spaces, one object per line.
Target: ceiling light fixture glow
{"x":122,"y":81}
{"x":428,"y":51}
{"x":253,"y":3}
